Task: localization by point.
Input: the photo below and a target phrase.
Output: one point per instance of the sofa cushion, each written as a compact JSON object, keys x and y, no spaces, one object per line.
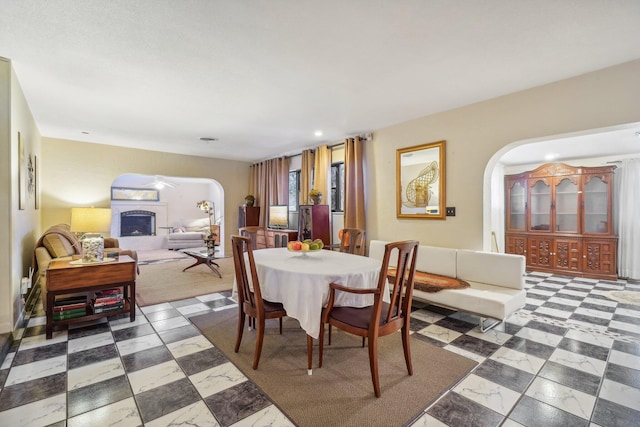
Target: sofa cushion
{"x":489,"y":267}
{"x":57,"y":245}
{"x":436,"y":260}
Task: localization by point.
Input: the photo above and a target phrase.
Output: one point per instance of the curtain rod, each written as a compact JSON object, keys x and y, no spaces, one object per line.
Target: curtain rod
{"x":366,"y":137}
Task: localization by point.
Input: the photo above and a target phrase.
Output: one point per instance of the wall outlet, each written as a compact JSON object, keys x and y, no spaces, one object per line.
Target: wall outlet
{"x":450,"y":211}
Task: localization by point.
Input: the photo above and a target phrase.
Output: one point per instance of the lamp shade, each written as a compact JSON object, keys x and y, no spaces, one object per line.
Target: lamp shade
{"x":90,"y":220}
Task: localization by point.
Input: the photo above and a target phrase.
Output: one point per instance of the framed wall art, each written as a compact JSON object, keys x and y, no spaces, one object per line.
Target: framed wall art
{"x":420,"y":180}
{"x":22,"y":175}
{"x":122,"y":193}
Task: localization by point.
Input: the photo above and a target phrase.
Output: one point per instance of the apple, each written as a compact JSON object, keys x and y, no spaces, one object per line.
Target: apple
{"x":290,"y":245}
{"x":319,"y":242}
{"x":297,"y":246}
{"x":305,"y":247}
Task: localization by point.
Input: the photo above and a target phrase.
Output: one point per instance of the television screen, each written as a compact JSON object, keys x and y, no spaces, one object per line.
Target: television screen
{"x":279,"y":217}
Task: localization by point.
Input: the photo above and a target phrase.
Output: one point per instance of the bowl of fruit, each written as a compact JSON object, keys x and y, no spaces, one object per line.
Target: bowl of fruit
{"x":306,"y":246}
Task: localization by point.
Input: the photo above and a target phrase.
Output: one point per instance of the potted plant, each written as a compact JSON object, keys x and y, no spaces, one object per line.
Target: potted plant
{"x":249,"y":200}
{"x":316,"y":196}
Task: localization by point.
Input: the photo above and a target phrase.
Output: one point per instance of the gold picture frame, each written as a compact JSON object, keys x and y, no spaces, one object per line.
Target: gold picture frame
{"x":420,"y":180}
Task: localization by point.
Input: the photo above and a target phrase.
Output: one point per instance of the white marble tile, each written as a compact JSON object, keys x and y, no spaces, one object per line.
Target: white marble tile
{"x":539,"y":336}
{"x":625,"y":359}
{"x":542,"y":292}
{"x":155,"y":376}
{"x":469,"y":355}
{"x":94,"y":373}
{"x":267,"y":417}
{"x":138,"y":344}
{"x":427,"y":420}
{"x":565,"y":301}
{"x":492,"y":335}
{"x":210,"y":297}
{"x":189,"y":346}
{"x":157,"y":307}
{"x":578,"y":361}
{"x":628,"y":327}
{"x":36,"y":341}
{"x":37,"y":414}
{"x":516,"y":359}
{"x":487,"y":393}
{"x":618,"y":287}
{"x":172,"y":323}
{"x":562,"y":397}
{"x":439,"y":333}
{"x":595,"y":339}
{"x":196,"y":414}
{"x":581,"y":286}
{"x":8,"y":360}
{"x":594,"y":313}
{"x":37,"y":321}
{"x":226,"y":307}
{"x":555,"y":286}
{"x":125,"y":323}
{"x":626,"y":312}
{"x":553,"y":312}
{"x":194,"y":308}
{"x":606,"y":303}
{"x":572,"y":292}
{"x":536,"y":302}
{"x":216,"y":379}
{"x":123,"y":413}
{"x":620,"y":394}
{"x":427,"y":316}
{"x":585,"y":325}
{"x":39,"y":369}
{"x":90,"y":341}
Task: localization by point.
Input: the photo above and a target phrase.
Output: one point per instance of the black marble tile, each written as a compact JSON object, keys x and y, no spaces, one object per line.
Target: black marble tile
{"x":456,"y":410}
{"x":3,"y":377}
{"x":415,"y":324}
{"x":439,"y":310}
{"x":218,"y":303}
{"x":586,"y":349}
{"x":627,"y":319}
{"x":86,"y":330}
{"x":533,"y":413}
{"x":505,"y":375}
{"x":558,"y":306}
{"x":570,"y":377}
{"x":455,"y":324}
{"x":624,"y":332}
{"x":185,"y":302}
{"x":40,"y":353}
{"x":201,"y":360}
{"x":31,"y":391}
{"x":178,"y":334}
{"x":526,"y":346}
{"x":598,"y":307}
{"x":625,"y":347}
{"x":569,"y":296}
{"x":545,"y":327}
{"x":162,"y":315}
{"x":165,"y":399}
{"x":611,"y":414}
{"x":475,"y":345}
{"x":235,"y":403}
{"x":92,"y":355}
{"x":94,"y":396}
{"x":133,"y":332}
{"x":590,"y":319}
{"x":429,"y":340}
{"x":623,"y":375}
{"x":630,"y":307}
{"x":146,"y":358}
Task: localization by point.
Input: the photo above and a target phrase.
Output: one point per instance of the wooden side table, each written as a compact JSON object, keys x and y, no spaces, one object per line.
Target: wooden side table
{"x":68,"y":277}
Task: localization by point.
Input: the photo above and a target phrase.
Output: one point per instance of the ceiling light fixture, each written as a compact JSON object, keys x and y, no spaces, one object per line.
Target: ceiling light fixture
{"x":208,"y":139}
{"x":318,"y":133}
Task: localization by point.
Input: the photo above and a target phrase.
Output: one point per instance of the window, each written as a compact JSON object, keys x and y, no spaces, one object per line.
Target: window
{"x":294,"y":190}
{"x":337,"y":187}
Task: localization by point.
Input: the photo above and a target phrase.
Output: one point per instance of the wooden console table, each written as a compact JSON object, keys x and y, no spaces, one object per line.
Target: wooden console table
{"x":64,"y":277}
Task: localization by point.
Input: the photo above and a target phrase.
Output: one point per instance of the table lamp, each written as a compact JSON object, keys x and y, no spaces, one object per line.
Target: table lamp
{"x":90,"y":222}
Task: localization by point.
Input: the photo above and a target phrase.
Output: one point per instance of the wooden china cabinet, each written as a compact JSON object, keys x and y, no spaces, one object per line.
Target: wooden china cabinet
{"x":560,"y":218}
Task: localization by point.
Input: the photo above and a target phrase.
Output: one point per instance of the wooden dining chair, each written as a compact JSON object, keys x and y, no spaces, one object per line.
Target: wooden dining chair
{"x":258,"y":236}
{"x":351,"y":241}
{"x":250,"y":302}
{"x":381,"y":318}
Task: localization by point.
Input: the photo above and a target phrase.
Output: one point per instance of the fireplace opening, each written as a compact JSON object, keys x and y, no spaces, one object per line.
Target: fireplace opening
{"x":137,"y":223}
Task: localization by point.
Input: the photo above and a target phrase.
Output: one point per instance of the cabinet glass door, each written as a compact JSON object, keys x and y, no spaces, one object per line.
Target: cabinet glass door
{"x":567,"y":205}
{"x":517,"y":204}
{"x":596,"y":203}
{"x":541,"y":206}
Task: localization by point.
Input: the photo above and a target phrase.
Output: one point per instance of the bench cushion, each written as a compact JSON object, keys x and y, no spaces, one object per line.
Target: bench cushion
{"x":498,"y":269}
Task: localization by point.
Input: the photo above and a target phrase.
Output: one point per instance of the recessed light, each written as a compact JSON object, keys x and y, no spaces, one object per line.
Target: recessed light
{"x":551,"y":156}
{"x":208,"y":139}
{"x":318,"y":133}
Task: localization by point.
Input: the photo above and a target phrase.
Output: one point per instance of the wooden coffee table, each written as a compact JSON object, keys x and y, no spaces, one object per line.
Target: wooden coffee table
{"x":202,"y":256}
{"x":70,"y":277}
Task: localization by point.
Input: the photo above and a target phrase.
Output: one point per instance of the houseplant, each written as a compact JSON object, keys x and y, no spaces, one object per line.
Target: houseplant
{"x":249,"y":200}
{"x":316,"y":196}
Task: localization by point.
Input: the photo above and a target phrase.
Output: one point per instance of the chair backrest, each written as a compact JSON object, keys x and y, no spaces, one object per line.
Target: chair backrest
{"x":352,"y":240}
{"x":401,"y":290}
{"x":258,"y":236}
{"x":247,"y":294}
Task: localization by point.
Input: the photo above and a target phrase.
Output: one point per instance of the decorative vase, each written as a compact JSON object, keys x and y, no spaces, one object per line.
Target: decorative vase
{"x":249,"y":202}
{"x":316,"y":199}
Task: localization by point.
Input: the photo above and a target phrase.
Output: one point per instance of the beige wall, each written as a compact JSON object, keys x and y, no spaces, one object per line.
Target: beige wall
{"x":477,"y":135}
{"x":80,"y":174}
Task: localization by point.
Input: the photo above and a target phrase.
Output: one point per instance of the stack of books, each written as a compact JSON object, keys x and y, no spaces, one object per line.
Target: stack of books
{"x":70,"y":307}
{"x":108,"y":300}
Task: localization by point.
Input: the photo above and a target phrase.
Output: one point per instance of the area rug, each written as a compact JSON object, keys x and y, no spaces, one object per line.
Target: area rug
{"x":165,"y":282}
{"x":625,"y":297}
{"x":159,"y":255}
{"x":341,"y":392}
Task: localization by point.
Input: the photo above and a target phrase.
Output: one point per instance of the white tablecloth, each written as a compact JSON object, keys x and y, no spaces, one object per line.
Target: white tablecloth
{"x":301,"y":283}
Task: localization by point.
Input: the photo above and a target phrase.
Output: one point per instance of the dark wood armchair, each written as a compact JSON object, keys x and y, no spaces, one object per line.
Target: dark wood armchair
{"x":250,"y":302}
{"x":352,"y":241}
{"x":258,"y":236}
{"x":381,"y":318}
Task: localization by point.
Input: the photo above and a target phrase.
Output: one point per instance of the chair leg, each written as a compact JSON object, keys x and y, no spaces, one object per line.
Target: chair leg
{"x":406,"y":345}
{"x":259,"y":339}
{"x":281,"y":326}
{"x":240,"y":330}
{"x":373,"y":362}
{"x":321,"y":343}
{"x":329,"y":334}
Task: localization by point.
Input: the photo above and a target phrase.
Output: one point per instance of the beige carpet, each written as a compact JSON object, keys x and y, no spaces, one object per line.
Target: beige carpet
{"x":341,"y":392}
{"x":159,"y":255}
{"x":164,"y":282}
{"x":625,"y":297}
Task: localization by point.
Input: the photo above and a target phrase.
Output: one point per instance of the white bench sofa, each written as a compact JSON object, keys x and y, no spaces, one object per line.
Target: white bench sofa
{"x":496,"y":280}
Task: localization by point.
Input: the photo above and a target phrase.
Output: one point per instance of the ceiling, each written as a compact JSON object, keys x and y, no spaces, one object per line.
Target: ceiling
{"x":263,"y":76}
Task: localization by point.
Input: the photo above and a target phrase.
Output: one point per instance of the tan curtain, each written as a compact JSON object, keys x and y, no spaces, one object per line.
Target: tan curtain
{"x":354,"y":190}
{"x":321,"y":172}
{"x":306,"y":175}
{"x":269,"y":184}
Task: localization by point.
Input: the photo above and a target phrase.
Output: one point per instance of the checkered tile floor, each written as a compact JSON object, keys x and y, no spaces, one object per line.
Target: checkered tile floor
{"x":571,"y":357}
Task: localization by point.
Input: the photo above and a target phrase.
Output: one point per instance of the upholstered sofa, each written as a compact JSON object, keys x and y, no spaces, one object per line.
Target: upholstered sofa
{"x":58,"y":242}
{"x":496,"y":280}
{"x":190,"y":233}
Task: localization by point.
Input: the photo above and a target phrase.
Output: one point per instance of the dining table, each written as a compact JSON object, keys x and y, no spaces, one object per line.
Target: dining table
{"x":300,"y":281}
